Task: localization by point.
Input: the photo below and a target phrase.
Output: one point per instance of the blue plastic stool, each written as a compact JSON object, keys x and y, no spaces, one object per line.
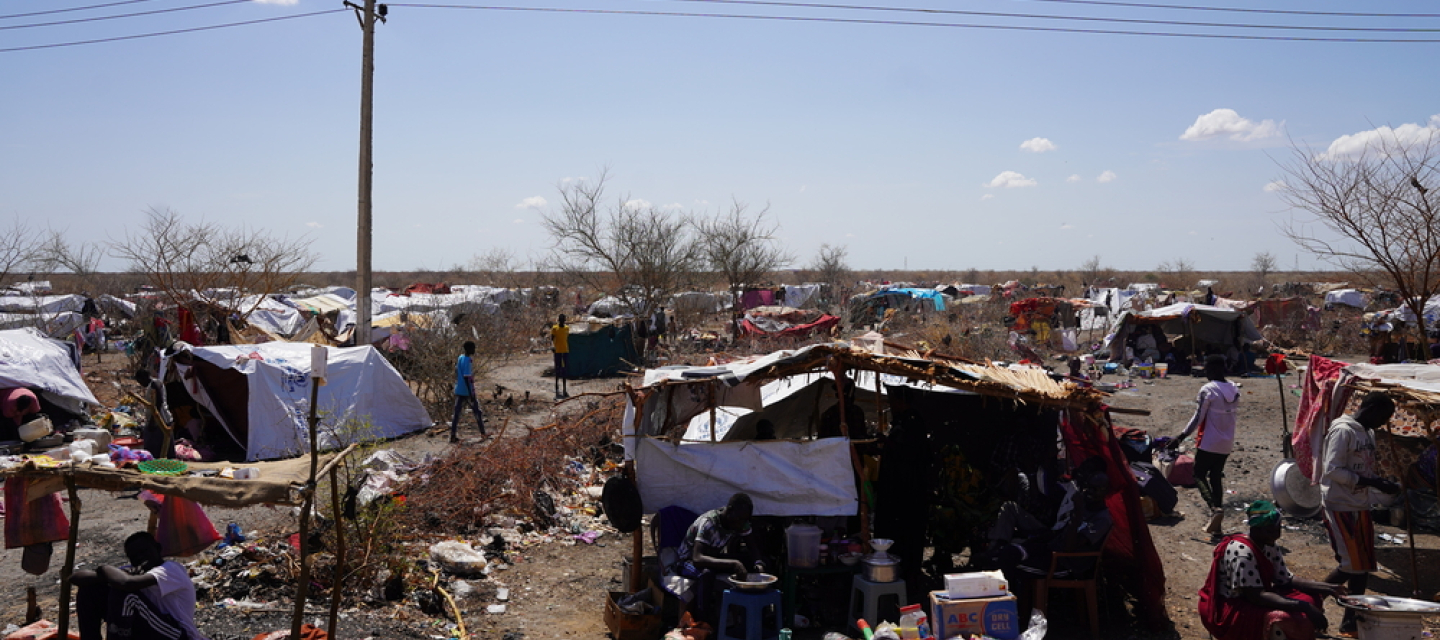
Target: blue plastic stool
{"x":754,"y":603}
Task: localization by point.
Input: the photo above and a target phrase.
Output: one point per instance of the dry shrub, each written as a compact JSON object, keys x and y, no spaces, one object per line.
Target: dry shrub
{"x":459,"y":491}
{"x":429,"y":363}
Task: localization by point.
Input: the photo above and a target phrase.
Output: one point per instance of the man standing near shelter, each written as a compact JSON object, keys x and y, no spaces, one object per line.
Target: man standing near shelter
{"x":560,"y":348}
{"x":1347,"y":477}
{"x":465,"y":392}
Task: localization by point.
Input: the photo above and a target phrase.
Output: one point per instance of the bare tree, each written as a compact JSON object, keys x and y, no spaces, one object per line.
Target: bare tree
{"x":1180,"y":269}
{"x":55,"y":254}
{"x":18,"y":249}
{"x":638,"y":253}
{"x":831,"y":269}
{"x":1375,"y":206}
{"x":1263,"y":264}
{"x":741,"y":248}
{"x":231,"y":268}
{"x":498,"y":267}
{"x":1093,"y":270}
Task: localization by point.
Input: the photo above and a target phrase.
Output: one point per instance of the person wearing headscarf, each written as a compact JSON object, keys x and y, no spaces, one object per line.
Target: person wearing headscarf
{"x":1214,"y":427}
{"x":1251,"y":595}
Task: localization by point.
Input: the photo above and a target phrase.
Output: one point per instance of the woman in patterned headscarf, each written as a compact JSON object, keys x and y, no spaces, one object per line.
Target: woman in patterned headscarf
{"x":1251,"y":595}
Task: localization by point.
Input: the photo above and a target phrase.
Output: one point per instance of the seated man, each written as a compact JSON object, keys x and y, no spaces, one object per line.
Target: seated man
{"x":713,"y":547}
{"x":149,"y":598}
{"x":1250,"y":594}
{"x":1081,"y":525}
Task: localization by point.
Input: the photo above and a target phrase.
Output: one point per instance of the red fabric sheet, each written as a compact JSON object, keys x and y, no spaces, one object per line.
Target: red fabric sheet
{"x":1316,"y":411}
{"x":1130,"y":556}
{"x":796,"y":331}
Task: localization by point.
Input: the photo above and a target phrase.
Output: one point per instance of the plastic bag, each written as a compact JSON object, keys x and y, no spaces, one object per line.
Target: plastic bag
{"x":1037,"y":628}
{"x":457,"y":557}
{"x":183,"y":529}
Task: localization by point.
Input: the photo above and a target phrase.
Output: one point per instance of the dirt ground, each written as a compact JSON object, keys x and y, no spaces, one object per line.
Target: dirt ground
{"x":557,"y":590}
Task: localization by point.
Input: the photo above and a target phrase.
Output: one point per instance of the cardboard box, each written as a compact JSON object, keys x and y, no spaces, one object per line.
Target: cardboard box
{"x":994,"y":617}
{"x":979,"y":584}
{"x":625,"y":626}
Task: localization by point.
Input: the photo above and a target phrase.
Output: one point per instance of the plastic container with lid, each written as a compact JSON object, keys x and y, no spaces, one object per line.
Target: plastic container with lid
{"x":914,"y":624}
{"x":802,"y":542}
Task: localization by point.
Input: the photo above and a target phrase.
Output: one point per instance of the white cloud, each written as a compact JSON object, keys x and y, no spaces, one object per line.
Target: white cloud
{"x":285,"y":3}
{"x":533,"y":202}
{"x":1108,"y":176}
{"x":1011,"y":180}
{"x":518,"y":221}
{"x":987,"y":197}
{"x":1067,"y":226}
{"x":1404,"y":135}
{"x":802,"y":187}
{"x":1073,"y":178}
{"x":674,"y":206}
{"x":570,"y":180}
{"x":1275,"y":186}
{"x":1038,"y":145}
{"x":638,"y":203}
{"x":1228,"y":123}
{"x":314,"y":225}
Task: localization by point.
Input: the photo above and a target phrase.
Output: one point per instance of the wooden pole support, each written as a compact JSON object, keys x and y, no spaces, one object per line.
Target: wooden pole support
{"x":68,"y":570}
{"x":302,"y":589}
{"x":337,"y":583}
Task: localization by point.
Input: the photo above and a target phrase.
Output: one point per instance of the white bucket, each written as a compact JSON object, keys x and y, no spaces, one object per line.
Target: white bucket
{"x":1389,"y":627}
{"x":802,"y":542}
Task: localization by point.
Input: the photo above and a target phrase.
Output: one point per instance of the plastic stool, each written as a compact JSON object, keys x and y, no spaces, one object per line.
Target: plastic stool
{"x":867,"y":593}
{"x":754,"y":603}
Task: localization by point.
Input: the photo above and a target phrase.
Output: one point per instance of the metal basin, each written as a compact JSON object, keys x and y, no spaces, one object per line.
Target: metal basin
{"x":1292,"y":490}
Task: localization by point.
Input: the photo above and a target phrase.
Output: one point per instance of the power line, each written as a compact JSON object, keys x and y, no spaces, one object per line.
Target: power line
{"x":50,"y":11}
{"x":172,"y":32}
{"x":995,"y":14}
{"x":904,"y":23}
{"x":124,"y":15}
{"x":1292,"y":12}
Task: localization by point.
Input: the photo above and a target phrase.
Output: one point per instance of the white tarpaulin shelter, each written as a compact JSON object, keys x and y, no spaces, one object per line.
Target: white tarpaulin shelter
{"x":783,"y":478}
{"x":29,"y":359}
{"x":1347,"y":297}
{"x":41,"y":304}
{"x":260,"y":393}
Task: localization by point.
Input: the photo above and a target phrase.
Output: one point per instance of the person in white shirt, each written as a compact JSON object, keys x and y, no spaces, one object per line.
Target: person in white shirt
{"x":1348,"y":490}
{"x":1214,"y":427}
{"x":150,"y":598}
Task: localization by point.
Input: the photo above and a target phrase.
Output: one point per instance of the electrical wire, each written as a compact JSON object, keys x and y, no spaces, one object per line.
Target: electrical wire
{"x":171,"y":32}
{"x":124,"y":15}
{"x":995,"y":14}
{"x":1291,"y":12}
{"x":905,"y":23}
{"x":50,"y":11}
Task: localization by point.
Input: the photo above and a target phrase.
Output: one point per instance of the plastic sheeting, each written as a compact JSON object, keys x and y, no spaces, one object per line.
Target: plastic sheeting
{"x":42,"y":304}
{"x":1347,"y":297}
{"x":29,"y":359}
{"x":783,"y":478}
{"x":360,"y":384}
{"x":800,"y":295}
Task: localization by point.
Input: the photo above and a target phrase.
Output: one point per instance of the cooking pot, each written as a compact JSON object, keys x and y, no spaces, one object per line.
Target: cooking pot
{"x":881,"y":567}
{"x":1292,"y":490}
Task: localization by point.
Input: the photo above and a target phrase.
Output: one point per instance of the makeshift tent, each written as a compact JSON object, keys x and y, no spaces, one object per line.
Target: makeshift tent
{"x":1206,"y":326}
{"x":599,"y":350}
{"x":29,"y":359}
{"x":700,"y":302}
{"x":1288,"y":312}
{"x":800,"y":295}
{"x":259,"y":395}
{"x":1347,"y":297}
{"x":41,"y":304}
{"x":817,"y":476}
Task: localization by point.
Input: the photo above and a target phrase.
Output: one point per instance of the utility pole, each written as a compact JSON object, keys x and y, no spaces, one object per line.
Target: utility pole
{"x":364,"y":283}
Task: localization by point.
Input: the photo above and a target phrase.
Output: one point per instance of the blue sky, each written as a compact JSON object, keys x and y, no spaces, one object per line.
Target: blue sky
{"x":906,"y":144}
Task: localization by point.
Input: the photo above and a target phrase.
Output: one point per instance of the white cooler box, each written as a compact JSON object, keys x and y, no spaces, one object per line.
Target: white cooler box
{"x":981,"y":584}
